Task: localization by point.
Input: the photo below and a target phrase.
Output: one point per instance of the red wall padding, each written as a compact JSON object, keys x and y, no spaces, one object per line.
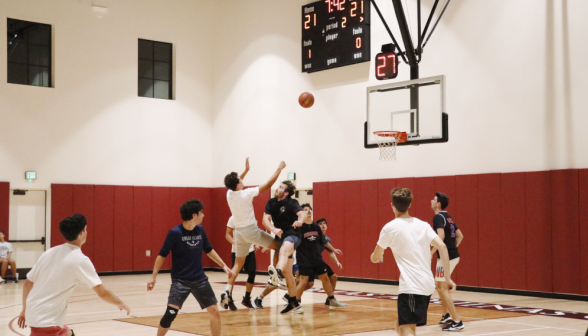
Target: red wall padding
{"x":368,"y":236}
{"x":123,"y":228}
{"x":489,"y":235}
{"x":142,"y":216}
{"x":465,"y":213}
{"x":221,"y":214}
{"x":583,"y":200}
{"x":352,"y":226}
{"x":538,"y":207}
{"x":388,"y":269}
{"x":513,"y":232}
{"x":565,"y":231}
{"x":159,"y":222}
{"x":259,"y":202}
{"x":104,"y":228}
{"x":83,"y":199}
{"x":4,"y":207}
{"x":61,"y":207}
{"x":338,"y":209}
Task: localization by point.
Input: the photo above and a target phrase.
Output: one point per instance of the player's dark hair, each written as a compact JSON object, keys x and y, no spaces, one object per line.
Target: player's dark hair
{"x":72,"y":226}
{"x":290,"y":188}
{"x":401,"y":198}
{"x":321,"y":220}
{"x":232,"y":180}
{"x":1,"y":231}
{"x":443,"y":199}
{"x":190,"y":208}
{"x":306,"y":205}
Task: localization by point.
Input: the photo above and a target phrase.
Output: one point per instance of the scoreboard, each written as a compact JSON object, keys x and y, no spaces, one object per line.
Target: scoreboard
{"x":335,"y":33}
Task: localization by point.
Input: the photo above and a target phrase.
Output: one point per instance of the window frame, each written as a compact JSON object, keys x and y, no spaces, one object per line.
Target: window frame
{"x":28,"y":64}
{"x":153,"y":60}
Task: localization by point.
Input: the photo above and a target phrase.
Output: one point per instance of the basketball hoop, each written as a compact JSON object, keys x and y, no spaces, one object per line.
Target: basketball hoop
{"x":387,"y":141}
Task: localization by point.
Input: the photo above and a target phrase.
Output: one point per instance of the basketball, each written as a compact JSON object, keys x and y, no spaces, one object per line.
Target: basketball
{"x":306,"y":99}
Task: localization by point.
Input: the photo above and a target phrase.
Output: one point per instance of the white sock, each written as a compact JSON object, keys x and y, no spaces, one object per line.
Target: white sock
{"x":229,"y":288}
{"x":261,"y":296}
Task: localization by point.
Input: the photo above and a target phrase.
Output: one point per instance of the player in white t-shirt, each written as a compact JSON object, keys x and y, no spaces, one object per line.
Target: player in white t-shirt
{"x":410,"y":240}
{"x":5,"y":258}
{"x":54,"y":277}
{"x":246,"y":230}
{"x":250,"y":266}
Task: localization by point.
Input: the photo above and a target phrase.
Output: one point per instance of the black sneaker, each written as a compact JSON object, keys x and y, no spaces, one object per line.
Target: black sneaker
{"x":280,"y":274}
{"x":286,"y":297}
{"x":454,"y":326}
{"x":258,"y":303}
{"x":327,"y":303}
{"x":15,"y":280}
{"x":247,"y":303}
{"x":232,"y":304}
{"x":225,"y":298}
{"x":445,"y":319}
{"x":289,"y":308}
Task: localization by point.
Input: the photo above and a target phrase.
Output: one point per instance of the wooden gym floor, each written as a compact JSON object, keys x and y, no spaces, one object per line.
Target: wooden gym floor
{"x":371,"y":311}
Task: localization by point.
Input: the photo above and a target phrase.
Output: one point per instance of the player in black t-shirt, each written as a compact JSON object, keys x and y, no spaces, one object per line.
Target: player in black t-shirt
{"x":310,"y":259}
{"x":287,"y":217}
{"x":452,"y":237}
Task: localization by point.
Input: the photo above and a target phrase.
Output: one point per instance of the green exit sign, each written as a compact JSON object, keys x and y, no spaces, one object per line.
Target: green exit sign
{"x":292,"y":176}
{"x":31,"y":175}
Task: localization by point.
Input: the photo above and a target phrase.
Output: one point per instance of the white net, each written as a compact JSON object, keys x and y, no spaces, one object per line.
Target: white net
{"x":387,"y":142}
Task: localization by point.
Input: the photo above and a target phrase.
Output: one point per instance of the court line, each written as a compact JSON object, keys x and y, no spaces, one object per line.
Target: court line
{"x":535,"y":325}
{"x":511,"y":331}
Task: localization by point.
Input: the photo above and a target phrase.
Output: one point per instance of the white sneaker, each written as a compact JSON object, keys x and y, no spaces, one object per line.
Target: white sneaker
{"x":299,"y":310}
{"x":274,"y":280}
{"x":1,"y":280}
{"x":334,"y":304}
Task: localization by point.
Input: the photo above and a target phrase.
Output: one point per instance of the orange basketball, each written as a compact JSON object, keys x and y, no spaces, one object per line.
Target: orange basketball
{"x":306,"y":99}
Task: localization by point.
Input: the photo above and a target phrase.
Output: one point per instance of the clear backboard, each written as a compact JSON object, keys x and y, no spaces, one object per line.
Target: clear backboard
{"x":416,"y":107}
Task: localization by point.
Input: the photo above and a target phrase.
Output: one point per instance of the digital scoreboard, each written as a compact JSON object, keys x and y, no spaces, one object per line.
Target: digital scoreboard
{"x":335,"y":33}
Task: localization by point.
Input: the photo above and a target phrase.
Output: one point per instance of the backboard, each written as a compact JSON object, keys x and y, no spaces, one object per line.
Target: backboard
{"x":416,"y":107}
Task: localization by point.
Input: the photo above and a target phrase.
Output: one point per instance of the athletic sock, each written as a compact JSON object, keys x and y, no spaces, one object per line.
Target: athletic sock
{"x":247,"y":295}
{"x":331,"y":297}
{"x":229,"y":289}
{"x":261,"y":296}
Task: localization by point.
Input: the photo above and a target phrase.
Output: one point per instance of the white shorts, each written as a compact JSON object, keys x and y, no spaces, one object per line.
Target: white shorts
{"x":440,"y":270}
{"x":245,"y":236}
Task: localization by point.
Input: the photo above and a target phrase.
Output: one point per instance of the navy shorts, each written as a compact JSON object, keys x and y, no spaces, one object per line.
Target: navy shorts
{"x":203,"y":293}
{"x":412,"y":309}
{"x":330,"y":273}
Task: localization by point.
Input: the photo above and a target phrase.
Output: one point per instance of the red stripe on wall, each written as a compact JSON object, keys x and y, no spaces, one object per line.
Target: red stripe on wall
{"x":123,"y":228}
{"x":61,"y":207}
{"x":160,"y":224}
{"x":104,"y":228}
{"x":368,"y":205}
{"x":489,"y":236}
{"x":583,"y":213}
{"x":84,"y":204}
{"x":565,"y":231}
{"x":4,"y":208}
{"x":465,"y":207}
{"x":513,"y":232}
{"x":142,"y":200}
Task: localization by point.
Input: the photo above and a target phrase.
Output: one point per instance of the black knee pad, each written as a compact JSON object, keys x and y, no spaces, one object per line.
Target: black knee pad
{"x":168,"y":317}
{"x":251,"y":278}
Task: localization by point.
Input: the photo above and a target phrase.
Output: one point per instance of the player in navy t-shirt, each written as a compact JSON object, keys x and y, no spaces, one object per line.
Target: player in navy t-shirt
{"x":447,"y":230}
{"x":186,"y":242}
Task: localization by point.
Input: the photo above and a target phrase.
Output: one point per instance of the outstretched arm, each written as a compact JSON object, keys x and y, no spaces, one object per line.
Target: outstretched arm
{"x":217,"y":259}
{"x":246,"y":169}
{"x":267,"y":222}
{"x":301,"y":218}
{"x":333,"y":257}
{"x":109,"y":297}
{"x":332,"y":248}
{"x":267,"y":185}
{"x":28,"y":285}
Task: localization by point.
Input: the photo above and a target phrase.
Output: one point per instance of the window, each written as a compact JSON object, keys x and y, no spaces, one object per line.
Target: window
{"x":155,"y":69}
{"x":29,"y":53}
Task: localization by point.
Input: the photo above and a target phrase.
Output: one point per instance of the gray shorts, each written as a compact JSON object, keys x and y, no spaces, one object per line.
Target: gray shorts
{"x":252,"y":234}
{"x":292,"y":239}
{"x":203,"y":293}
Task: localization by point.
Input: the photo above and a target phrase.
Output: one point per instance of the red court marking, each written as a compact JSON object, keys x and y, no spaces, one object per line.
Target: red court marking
{"x":104,"y":227}
{"x":12,"y":328}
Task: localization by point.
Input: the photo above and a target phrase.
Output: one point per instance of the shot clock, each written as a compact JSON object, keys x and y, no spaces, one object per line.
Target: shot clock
{"x":335,"y":33}
{"x":386,"y":63}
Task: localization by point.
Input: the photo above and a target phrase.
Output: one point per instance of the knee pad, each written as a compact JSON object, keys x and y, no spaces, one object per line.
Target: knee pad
{"x":251,"y":278}
{"x":168,"y":317}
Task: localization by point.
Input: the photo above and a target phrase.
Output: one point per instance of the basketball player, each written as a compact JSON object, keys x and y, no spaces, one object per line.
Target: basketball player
{"x":51,"y":281}
{"x":452,"y":237}
{"x":310,"y":259}
{"x":410,"y":240}
{"x":271,"y":287}
{"x":246,"y":231}
{"x":250,"y":265}
{"x":5,"y":260}
{"x":186,"y":242}
{"x":332,"y":254}
{"x":287,"y":216}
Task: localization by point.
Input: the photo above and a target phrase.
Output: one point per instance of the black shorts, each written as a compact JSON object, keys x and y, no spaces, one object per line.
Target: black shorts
{"x":250,"y":265}
{"x":314,"y":270}
{"x":203,"y":293}
{"x":292,"y":239}
{"x":412,"y":309}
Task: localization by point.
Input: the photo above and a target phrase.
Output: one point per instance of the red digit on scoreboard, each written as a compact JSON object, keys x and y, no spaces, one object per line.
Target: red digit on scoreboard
{"x":386,"y":66}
